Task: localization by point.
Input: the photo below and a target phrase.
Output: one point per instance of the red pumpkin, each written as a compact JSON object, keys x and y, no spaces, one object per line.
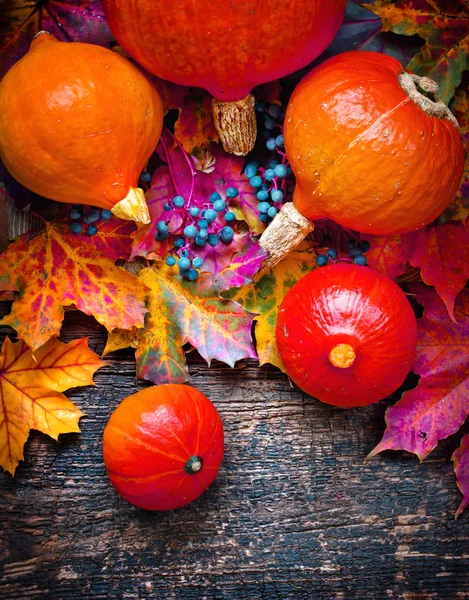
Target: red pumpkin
{"x":347,"y":335}
{"x":163,"y":446}
{"x":223,"y":46}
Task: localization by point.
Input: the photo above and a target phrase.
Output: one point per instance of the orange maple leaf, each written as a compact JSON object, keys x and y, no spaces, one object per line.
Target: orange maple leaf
{"x":56,"y":268}
{"x":30,"y":392}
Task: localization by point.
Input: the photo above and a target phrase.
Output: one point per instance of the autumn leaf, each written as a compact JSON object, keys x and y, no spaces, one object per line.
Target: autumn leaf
{"x":30,"y":392}
{"x":461,"y":468}
{"x":459,"y":207}
{"x":70,"y":20}
{"x":389,"y":254}
{"x":55,"y":268}
{"x":183,"y":312}
{"x":195,"y":128}
{"x":364,"y":31}
{"x":442,"y":253}
{"x":443,"y":24}
{"x":439,"y":405}
{"x":265,"y":295}
{"x":242,"y":267}
{"x":268,"y":92}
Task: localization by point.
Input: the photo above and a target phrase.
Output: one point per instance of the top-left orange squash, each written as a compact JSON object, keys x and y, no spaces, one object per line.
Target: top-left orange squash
{"x":78,"y":123}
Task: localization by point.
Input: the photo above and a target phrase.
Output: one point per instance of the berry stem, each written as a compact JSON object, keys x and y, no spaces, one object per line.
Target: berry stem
{"x":171,"y":172}
{"x":191,"y":169}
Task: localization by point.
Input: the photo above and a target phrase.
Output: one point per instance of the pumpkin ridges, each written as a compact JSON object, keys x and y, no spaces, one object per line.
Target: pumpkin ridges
{"x":146,"y":445}
{"x":144,"y":479}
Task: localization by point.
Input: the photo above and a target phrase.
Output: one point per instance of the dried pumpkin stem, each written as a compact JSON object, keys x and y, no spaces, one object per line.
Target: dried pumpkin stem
{"x":435,"y":107}
{"x":236,"y":124}
{"x":133,"y":207}
{"x":284,"y":234}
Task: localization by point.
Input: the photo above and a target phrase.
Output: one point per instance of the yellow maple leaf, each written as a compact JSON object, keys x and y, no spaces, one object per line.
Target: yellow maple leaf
{"x":30,"y":392}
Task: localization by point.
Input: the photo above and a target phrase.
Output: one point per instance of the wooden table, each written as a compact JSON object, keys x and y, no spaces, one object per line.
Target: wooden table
{"x":295,"y":513}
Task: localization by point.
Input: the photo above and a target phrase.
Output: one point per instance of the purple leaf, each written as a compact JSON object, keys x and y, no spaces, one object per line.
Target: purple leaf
{"x":72,"y":20}
{"x":244,"y":265}
{"x":440,"y":403}
{"x":461,"y":468}
{"x":180,"y":178}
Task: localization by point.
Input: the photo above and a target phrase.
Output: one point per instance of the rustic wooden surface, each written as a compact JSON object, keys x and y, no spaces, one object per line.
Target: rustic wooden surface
{"x":295,"y":513}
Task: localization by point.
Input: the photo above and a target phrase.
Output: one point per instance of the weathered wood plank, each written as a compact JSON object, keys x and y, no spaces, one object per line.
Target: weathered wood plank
{"x":295,"y":513}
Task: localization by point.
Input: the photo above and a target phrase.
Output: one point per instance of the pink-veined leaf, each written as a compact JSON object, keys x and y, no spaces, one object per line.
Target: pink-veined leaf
{"x":389,"y":254}
{"x":442,"y":253}
{"x":461,"y":468}
{"x":439,"y":405}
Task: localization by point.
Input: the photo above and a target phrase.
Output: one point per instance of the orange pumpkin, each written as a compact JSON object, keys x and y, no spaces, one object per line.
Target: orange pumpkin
{"x":226,"y":47}
{"x":369,"y":150}
{"x":78,"y":123}
{"x":163,"y":446}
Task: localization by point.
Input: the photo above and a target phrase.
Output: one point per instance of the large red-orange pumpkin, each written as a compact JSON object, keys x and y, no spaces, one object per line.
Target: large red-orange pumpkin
{"x":371,"y":147}
{"x":223,"y":46}
{"x":347,"y":335}
{"x":369,"y":150}
{"x":77,"y":124}
{"x":163,"y":446}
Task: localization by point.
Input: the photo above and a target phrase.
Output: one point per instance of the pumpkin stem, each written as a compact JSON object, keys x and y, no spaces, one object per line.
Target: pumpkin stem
{"x":193,"y":465}
{"x":133,"y":207}
{"x":424,"y":92}
{"x":342,"y":356}
{"x":43,"y":36}
{"x":236,"y":125}
{"x":284,"y":234}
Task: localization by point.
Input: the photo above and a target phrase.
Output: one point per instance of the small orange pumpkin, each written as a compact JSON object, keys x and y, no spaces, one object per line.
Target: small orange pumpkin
{"x":78,"y":123}
{"x":226,"y":47}
{"x":163,"y":446}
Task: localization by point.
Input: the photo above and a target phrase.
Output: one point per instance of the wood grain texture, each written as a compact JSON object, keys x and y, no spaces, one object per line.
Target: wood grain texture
{"x":296,"y":513}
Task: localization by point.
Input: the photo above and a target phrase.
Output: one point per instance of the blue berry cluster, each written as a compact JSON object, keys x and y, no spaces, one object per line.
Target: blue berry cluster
{"x":269,"y":186}
{"x":270,"y":183}
{"x":86,"y":218}
{"x":209,"y":224}
{"x":273,"y":130}
{"x":356,"y":254}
